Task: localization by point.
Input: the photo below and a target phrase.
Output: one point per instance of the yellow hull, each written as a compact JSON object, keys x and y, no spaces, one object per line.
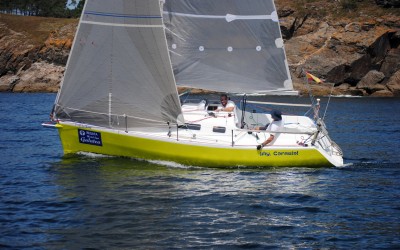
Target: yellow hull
{"x":121,"y":144}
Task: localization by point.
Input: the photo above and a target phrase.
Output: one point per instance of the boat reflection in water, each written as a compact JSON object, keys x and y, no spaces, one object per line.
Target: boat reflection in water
{"x":131,"y":203}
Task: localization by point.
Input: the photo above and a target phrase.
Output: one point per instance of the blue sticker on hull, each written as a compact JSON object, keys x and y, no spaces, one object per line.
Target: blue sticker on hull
{"x":89,"y":137}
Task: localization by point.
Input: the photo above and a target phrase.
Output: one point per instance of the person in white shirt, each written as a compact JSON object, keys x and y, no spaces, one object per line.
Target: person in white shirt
{"x":225,"y":105}
{"x":275,"y":125}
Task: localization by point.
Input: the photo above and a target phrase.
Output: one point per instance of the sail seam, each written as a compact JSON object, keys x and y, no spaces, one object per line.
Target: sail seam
{"x":95,"y":13}
{"x":125,"y":25}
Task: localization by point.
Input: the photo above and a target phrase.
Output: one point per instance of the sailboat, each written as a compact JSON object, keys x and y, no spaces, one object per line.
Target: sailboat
{"x":119,"y":93}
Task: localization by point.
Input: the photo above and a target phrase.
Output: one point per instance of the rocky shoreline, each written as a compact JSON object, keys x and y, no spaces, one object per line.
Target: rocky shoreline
{"x":358,"y":58}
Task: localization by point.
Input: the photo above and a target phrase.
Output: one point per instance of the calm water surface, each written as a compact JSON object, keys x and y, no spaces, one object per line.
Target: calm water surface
{"x":51,"y":201}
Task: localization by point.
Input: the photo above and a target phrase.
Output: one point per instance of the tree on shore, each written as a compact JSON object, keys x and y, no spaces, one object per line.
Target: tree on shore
{"x":79,"y":7}
{"x":45,"y":8}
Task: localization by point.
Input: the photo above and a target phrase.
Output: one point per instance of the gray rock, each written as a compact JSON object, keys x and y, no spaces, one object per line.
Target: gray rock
{"x":7,"y":82}
{"x":393,"y":83}
{"x":342,"y":54}
{"x":382,"y":93}
{"x":391,"y":63}
{"x":378,"y":87}
{"x":344,"y":86}
{"x":353,"y":27}
{"x":40,"y":77}
{"x":357,"y":92}
{"x":369,"y":81}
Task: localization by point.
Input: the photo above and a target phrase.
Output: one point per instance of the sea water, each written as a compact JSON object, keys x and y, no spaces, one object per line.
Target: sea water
{"x":51,"y":201}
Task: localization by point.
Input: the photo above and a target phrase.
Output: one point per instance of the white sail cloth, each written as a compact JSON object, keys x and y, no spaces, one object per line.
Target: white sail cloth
{"x":227,"y":45}
{"x":119,"y":72}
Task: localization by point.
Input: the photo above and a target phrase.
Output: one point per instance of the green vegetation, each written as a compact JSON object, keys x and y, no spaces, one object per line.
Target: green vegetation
{"x":349,"y":4}
{"x":45,"y":8}
{"x":36,"y":29}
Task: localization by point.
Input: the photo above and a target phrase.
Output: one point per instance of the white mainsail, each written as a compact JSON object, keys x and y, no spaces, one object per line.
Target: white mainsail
{"x":227,"y":45}
{"x":119,"y":72}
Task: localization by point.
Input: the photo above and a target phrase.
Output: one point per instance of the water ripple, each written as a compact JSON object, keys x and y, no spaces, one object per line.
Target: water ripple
{"x":50,"y":201}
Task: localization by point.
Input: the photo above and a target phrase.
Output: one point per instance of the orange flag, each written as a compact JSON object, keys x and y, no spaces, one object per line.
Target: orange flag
{"x":313,"y":78}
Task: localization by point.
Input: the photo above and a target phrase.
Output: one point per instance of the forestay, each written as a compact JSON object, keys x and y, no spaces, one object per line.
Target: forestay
{"x":227,"y":45}
{"x":119,"y":65}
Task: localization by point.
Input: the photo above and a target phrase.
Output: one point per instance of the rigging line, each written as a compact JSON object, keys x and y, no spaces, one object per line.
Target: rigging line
{"x":326,"y":108}
{"x":199,"y":120}
{"x":310,"y":94}
{"x":188,"y":94}
{"x":229,"y":17}
{"x":313,"y":106}
{"x":308,"y":87}
{"x":173,"y":52}
{"x":282,"y":104}
{"x":308,"y":111}
{"x":173,"y":33}
{"x":269,"y":109}
{"x":264,"y":132}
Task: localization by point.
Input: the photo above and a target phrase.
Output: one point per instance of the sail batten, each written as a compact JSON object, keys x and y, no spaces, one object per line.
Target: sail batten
{"x":228,"y":17}
{"x":123,"y":24}
{"x":96,"y":13}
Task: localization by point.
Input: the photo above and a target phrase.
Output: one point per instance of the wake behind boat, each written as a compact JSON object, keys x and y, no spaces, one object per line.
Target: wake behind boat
{"x":119,"y":94}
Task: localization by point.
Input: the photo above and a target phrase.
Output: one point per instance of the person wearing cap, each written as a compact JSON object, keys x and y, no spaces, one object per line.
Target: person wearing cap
{"x":275,"y":125}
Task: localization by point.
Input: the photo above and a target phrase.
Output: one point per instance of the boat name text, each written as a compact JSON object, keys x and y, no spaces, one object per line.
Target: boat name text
{"x":90,"y":137}
{"x":279,"y":153}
